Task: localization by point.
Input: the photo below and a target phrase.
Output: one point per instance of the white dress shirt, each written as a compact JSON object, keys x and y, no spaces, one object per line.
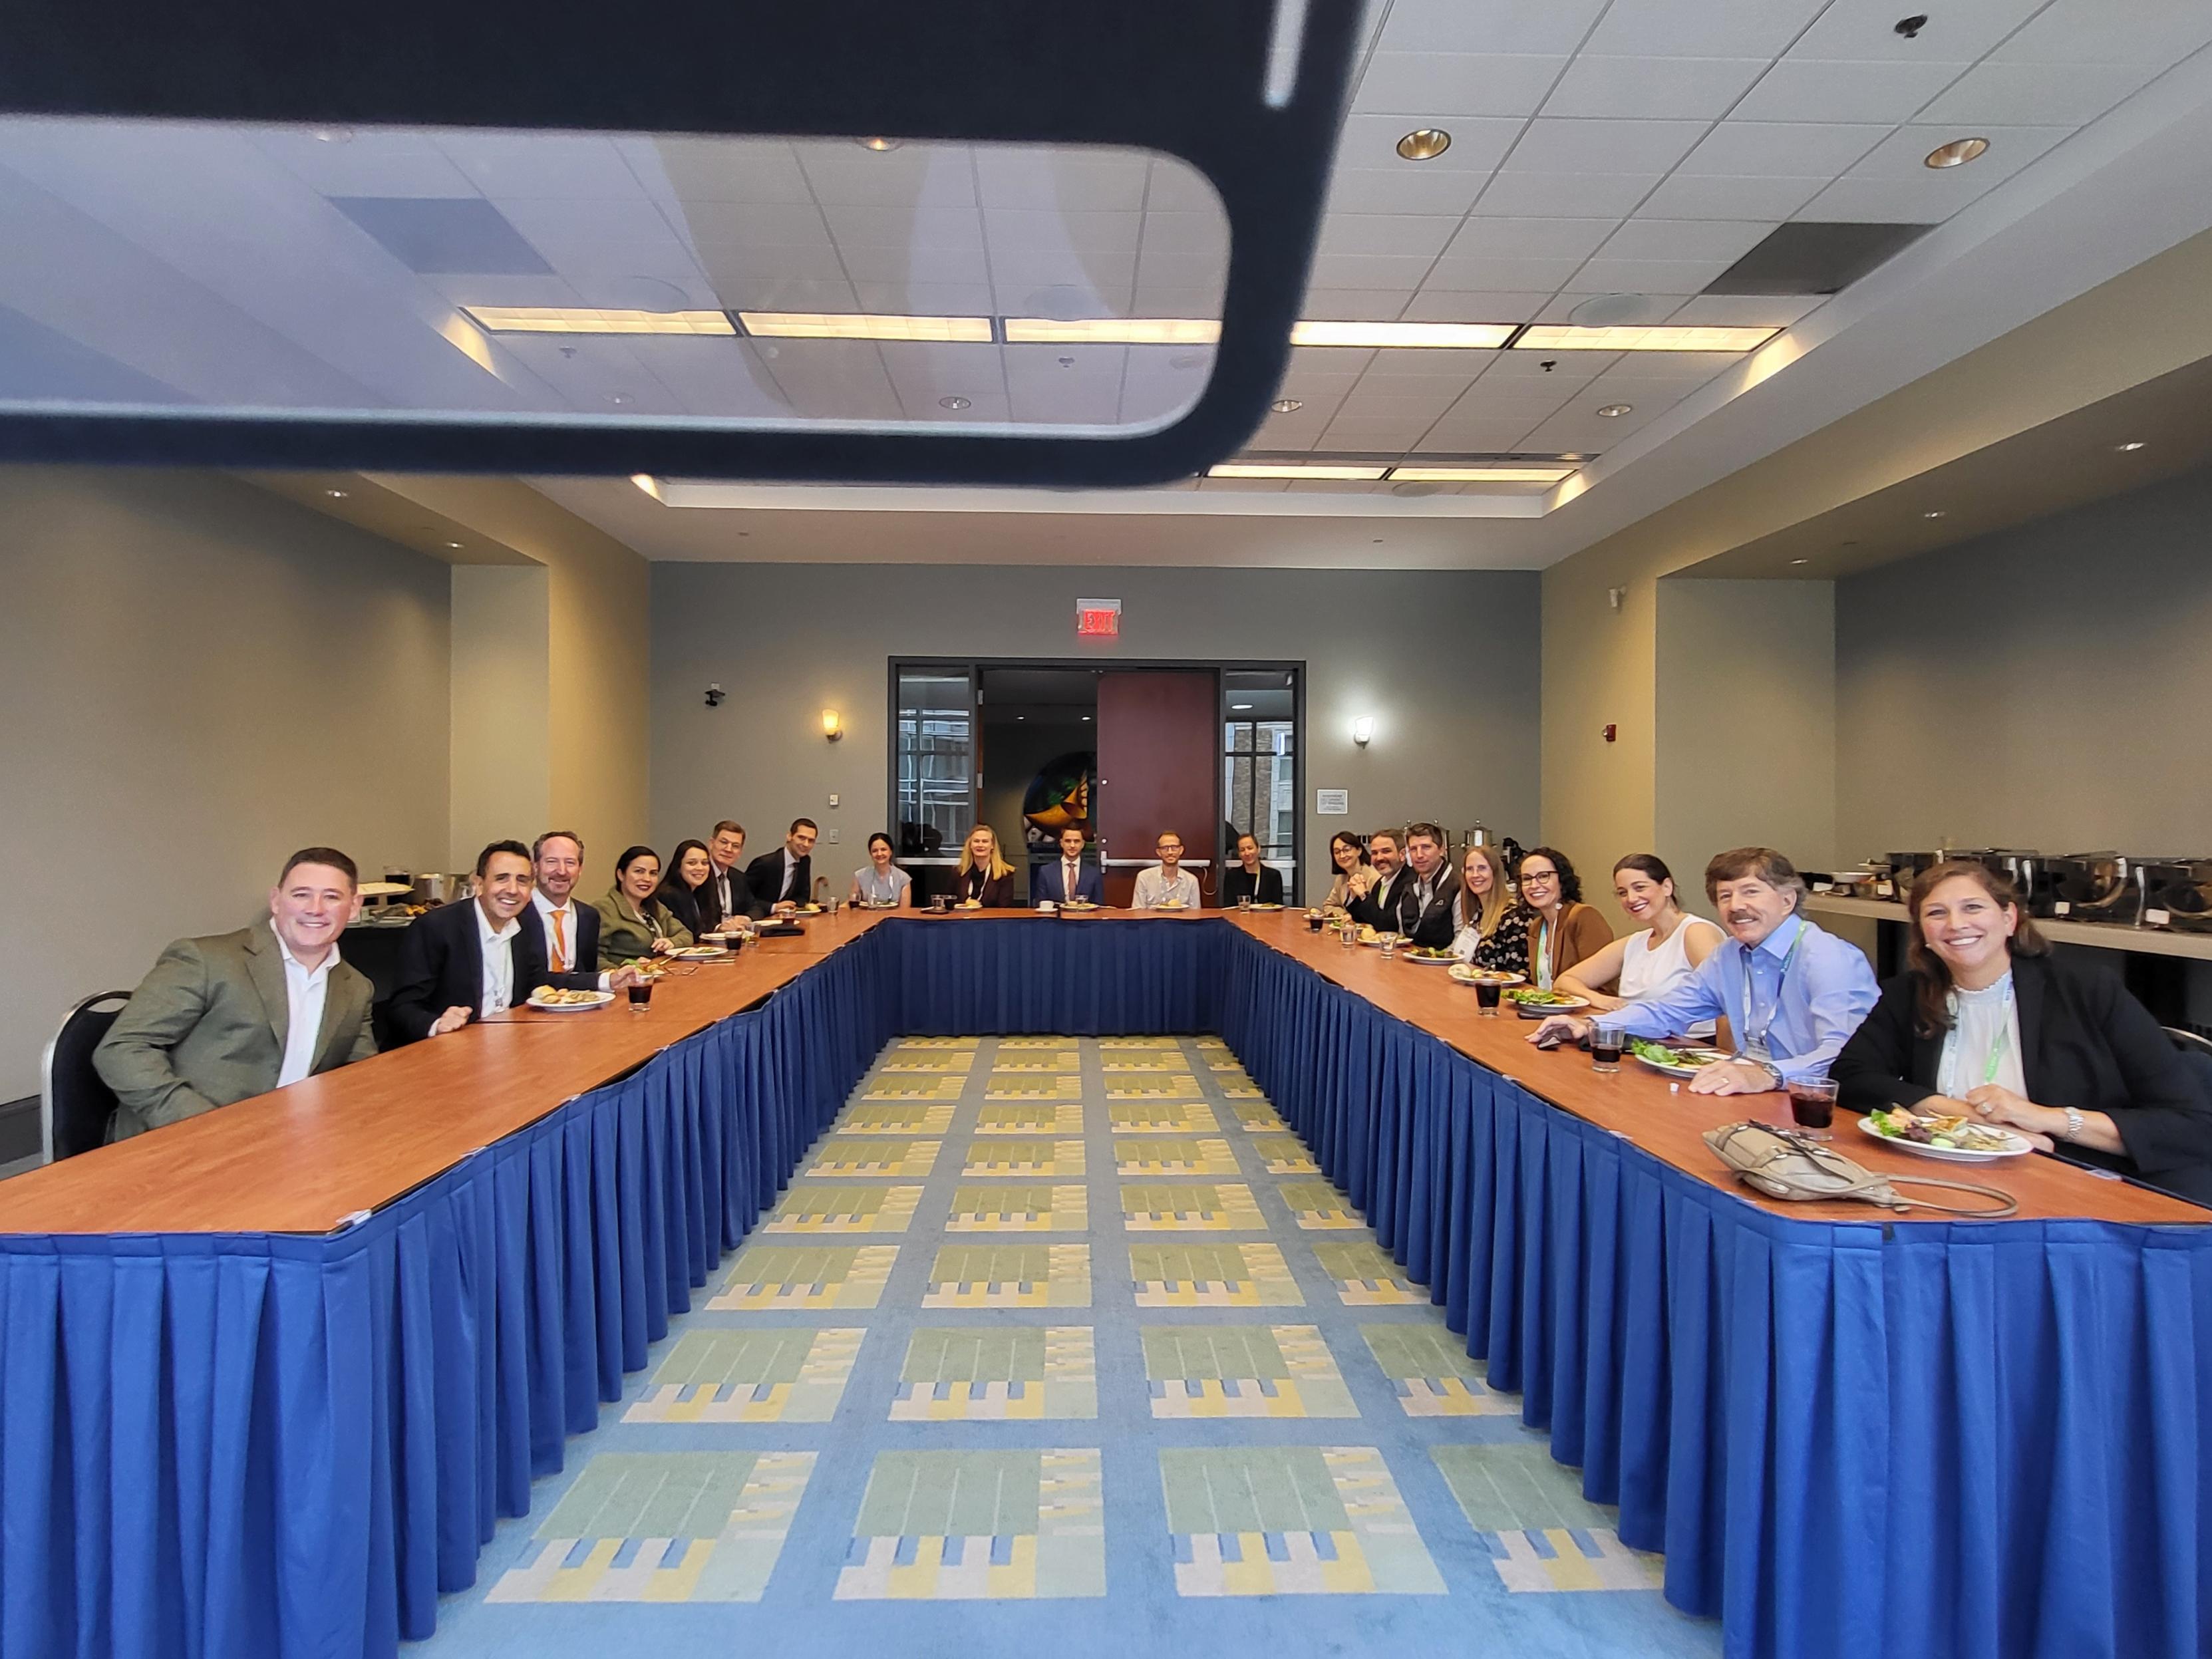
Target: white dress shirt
{"x":498,"y":991}
{"x":727,"y":882}
{"x":560,"y":951}
{"x":1071,"y":872}
{"x":306,"y":989}
{"x":1155,"y":887}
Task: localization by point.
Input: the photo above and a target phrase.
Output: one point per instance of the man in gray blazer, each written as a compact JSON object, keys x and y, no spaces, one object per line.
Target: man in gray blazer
{"x":238,"y":1014}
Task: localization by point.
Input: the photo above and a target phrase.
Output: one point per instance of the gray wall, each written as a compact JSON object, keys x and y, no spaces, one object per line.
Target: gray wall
{"x":198,"y":678}
{"x":1444,"y":663}
{"x":2043,"y":687}
{"x":1746,"y":712}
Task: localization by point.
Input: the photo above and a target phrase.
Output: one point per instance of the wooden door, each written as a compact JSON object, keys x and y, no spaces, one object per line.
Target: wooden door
{"x":1159,"y":768}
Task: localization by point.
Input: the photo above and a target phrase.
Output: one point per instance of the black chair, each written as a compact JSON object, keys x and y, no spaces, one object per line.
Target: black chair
{"x":74,"y":1104}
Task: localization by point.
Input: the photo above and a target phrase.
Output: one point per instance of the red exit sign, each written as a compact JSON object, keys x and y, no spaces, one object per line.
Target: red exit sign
{"x":1098,"y":618}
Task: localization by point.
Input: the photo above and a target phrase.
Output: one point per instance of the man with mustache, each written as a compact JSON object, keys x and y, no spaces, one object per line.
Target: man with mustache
{"x":1792,"y":994}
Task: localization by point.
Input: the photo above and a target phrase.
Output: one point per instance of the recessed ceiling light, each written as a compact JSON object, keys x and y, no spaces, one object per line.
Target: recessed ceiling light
{"x":1449,"y":336}
{"x":1086,"y":717}
{"x":1113,"y":330}
{"x":1560,"y":336}
{"x":1424,"y":144}
{"x":954,"y":402}
{"x":878,"y":144}
{"x":864,"y":325}
{"x":1287,"y":406}
{"x":1937,"y":513}
{"x":456,"y":546}
{"x":1614,"y":411}
{"x":1336,"y":472}
{"x":1478,"y":474}
{"x":335,"y":494}
{"x":1800,"y":561}
{"x":576,"y":320}
{"x":620,"y":399}
{"x":1240,"y":707}
{"x":2130,"y":447}
{"x":651,"y":486}
{"x":334,"y":135}
{"x":1956,"y":154}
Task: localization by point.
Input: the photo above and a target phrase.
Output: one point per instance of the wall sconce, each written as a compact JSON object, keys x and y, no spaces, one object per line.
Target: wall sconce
{"x":833,"y":727}
{"x":1362,"y":730}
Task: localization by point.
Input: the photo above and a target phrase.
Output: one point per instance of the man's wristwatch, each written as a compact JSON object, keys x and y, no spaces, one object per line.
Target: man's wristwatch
{"x":2073,"y":1122}
{"x":1773,"y":1072}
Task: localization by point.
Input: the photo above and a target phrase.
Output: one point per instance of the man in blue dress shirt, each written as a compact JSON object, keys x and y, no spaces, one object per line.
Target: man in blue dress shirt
{"x":1792,"y":994}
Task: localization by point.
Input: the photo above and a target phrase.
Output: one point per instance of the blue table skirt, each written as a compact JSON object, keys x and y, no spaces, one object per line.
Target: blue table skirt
{"x":1930,"y":1439}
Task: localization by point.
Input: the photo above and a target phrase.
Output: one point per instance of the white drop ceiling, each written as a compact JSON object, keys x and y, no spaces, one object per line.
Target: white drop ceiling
{"x":1598,"y":148}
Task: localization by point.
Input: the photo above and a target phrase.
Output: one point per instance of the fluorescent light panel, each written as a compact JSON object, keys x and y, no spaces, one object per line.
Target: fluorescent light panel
{"x":1339,"y":472}
{"x":1478,"y":474}
{"x":1445,"y":336}
{"x":1560,"y":336}
{"x":1113,"y":330}
{"x":565,"y":319}
{"x":864,"y":325}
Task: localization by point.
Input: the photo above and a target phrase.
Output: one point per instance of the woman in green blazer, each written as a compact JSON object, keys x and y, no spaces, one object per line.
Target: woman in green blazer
{"x":632,"y":922}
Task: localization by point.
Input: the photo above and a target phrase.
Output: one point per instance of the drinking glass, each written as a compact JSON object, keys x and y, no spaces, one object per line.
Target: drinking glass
{"x":1486,"y":999}
{"x":1314,"y":921}
{"x":941,"y":902}
{"x":641,"y":993}
{"x":1389,"y":943}
{"x":1604,"y":1047}
{"x":1813,"y":1105}
{"x":1243,"y":900}
{"x":1347,"y":933}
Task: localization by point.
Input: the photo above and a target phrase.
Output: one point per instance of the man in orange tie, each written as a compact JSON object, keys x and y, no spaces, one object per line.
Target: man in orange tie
{"x":569,"y":931}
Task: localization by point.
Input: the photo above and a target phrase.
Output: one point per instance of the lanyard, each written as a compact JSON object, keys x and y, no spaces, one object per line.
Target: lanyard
{"x":2000,"y":1045}
{"x":1544,"y":951}
{"x":1755,"y":1033}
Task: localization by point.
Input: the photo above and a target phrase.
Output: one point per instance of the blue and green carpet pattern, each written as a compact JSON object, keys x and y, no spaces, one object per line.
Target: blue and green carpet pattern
{"x":1060,"y":1343}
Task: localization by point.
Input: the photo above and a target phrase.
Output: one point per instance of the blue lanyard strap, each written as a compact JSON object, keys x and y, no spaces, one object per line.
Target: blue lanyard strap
{"x":1755,"y":1035}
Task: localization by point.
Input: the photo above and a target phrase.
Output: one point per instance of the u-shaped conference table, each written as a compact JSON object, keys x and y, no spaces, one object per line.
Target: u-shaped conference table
{"x":268,"y":1377}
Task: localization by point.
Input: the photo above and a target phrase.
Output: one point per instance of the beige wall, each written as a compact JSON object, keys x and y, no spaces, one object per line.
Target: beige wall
{"x":198,"y":678}
{"x":1444,"y":663}
{"x":501,"y":770}
{"x":1744,"y":717}
{"x":2044,"y":687}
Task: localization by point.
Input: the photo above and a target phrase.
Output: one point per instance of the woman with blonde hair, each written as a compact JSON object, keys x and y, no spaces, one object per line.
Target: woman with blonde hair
{"x":1492,"y":929}
{"x":985,"y":877}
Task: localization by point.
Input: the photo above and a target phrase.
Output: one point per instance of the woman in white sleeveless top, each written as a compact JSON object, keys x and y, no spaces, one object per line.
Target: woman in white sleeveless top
{"x":1668,"y":948}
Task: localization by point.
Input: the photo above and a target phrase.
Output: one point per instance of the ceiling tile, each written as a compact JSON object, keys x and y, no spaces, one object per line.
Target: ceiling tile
{"x":1699,"y":88}
{"x":1748,"y":310}
{"x":922,"y":265}
{"x":1065,"y":266}
{"x":1173,"y":186}
{"x":1478,"y":306}
{"x":613,"y":238}
{"x":1461,"y":271}
{"x":1403,"y":188}
{"x":1771,"y":200}
{"x":1515,"y":26}
{"x":1646,"y":237}
{"x":519,"y":164}
{"x":1479,"y":143}
{"x":1457,"y":364}
{"x":1051,"y":230}
{"x":1369,"y":271}
{"x":372,"y":164}
{"x":877,"y":227}
{"x":1494,"y":238}
{"x":925,"y":299}
{"x":739,"y":260}
{"x":1169,"y":300}
{"x":1193,"y":271}
{"x":1956,"y":32}
{"x":1580,"y":429}
{"x":1439,"y":84}
{"x":1033,"y":176}
{"x":1608,"y":276}
{"x":1353,"y":305}
{"x":1702,"y":29}
{"x":1750,"y":149}
{"x":2153,"y":33}
{"x":1842,"y":91}
{"x":1424,"y":234}
{"x":1383,"y":437}
{"x":717,"y":169}
{"x":782,"y":293}
{"x":1179,"y":232}
{"x":843,"y":174}
{"x":1564,"y":195}
{"x":1561,"y":145}
{"x":2037,"y":95}
{"x":1903,"y":156}
{"x":1094,"y":297}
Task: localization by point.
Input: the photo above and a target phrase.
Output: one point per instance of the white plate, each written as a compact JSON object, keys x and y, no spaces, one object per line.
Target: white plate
{"x":1466,"y":974}
{"x":2021,"y":1145}
{"x":1682,"y":1072}
{"x":698,"y":953}
{"x":599,"y":999}
{"x":1445,"y":961}
{"x":1536,"y":1011}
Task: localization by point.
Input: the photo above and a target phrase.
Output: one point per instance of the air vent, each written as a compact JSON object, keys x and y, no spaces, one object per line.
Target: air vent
{"x":1810,"y":258}
{"x":445,"y":236}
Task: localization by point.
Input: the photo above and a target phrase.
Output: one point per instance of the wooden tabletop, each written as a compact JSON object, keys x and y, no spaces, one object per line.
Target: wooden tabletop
{"x":305,"y":1159}
{"x":1670,"y":1122}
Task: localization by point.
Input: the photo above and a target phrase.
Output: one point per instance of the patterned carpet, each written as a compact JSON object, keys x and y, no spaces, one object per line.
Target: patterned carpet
{"x":1062,"y":1345}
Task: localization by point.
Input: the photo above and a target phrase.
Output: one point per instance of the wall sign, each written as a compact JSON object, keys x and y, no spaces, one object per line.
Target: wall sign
{"x":1098,"y":618}
{"x":1332,"y":803}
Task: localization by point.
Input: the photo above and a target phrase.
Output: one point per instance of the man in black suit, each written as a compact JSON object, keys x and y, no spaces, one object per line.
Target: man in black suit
{"x":728,"y":894}
{"x":1425,"y":902}
{"x":565,"y":932}
{"x":1387,"y":884}
{"x":785,"y":876}
{"x":466,"y":960}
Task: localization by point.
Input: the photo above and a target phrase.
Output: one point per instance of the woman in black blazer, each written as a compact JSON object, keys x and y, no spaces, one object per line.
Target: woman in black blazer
{"x":1988,"y":1023}
{"x":985,"y":877}
{"x":685,"y":890}
{"x":1249,"y":879}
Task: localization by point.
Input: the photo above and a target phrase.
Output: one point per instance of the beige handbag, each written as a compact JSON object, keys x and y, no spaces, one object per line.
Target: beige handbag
{"x":1785,"y":1165}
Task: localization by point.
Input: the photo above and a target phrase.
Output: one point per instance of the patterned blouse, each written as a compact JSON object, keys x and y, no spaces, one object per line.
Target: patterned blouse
{"x":1506,"y":949}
